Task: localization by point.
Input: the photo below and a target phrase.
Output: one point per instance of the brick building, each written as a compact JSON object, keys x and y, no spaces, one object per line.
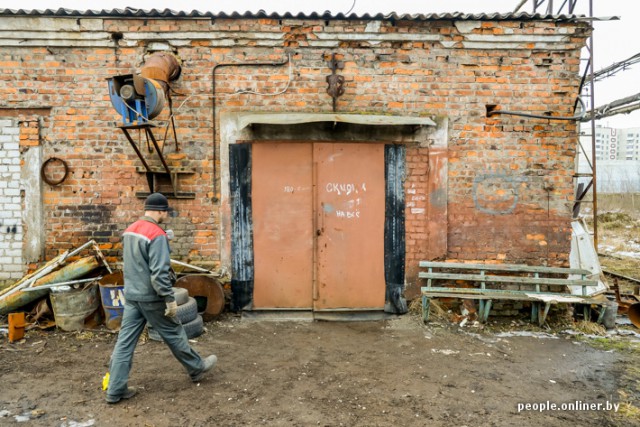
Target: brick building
{"x":303,"y":197}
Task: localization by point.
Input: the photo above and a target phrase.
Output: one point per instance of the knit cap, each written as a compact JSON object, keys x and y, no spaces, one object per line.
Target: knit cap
{"x":156,"y":202}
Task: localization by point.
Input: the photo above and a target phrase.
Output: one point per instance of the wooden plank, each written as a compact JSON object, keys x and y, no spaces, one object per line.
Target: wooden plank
{"x":160,"y":170}
{"x":506,"y":294}
{"x":478,"y":297}
{"x":508,"y":279}
{"x":475,"y":291}
{"x":569,"y":299}
{"x":515,"y":297}
{"x":169,"y":194}
{"x":505,"y":267}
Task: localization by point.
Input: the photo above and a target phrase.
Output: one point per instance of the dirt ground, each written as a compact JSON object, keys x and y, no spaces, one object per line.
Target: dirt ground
{"x":396,"y":372}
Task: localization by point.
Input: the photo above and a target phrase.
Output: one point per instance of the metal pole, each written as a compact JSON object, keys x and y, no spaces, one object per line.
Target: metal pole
{"x":54,"y":285}
{"x":593,"y":137}
{"x":81,"y":248}
{"x":193,"y":267}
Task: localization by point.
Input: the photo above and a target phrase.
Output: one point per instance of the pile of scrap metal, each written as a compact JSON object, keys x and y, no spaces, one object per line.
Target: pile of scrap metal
{"x":628,"y":303}
{"x":66,"y":274}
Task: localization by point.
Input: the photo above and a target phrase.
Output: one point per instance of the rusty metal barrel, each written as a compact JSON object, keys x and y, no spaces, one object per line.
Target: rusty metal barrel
{"x":112,"y":296}
{"x":71,"y":308}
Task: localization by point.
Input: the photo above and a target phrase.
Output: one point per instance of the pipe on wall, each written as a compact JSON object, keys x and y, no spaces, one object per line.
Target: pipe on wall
{"x":213,"y":106}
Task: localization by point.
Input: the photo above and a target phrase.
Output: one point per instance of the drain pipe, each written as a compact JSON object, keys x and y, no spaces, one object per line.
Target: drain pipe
{"x":213,"y":106}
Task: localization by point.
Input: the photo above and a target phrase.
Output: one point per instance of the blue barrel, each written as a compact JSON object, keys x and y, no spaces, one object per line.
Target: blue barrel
{"x":112,"y":296}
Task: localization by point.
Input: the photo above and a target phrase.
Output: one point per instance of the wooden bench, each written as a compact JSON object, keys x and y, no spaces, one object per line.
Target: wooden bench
{"x":531,"y":278}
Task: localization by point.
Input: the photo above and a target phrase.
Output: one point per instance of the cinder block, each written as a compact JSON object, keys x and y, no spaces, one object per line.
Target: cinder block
{"x":9,"y":130}
{"x":14,"y":252}
{"x":6,"y":139}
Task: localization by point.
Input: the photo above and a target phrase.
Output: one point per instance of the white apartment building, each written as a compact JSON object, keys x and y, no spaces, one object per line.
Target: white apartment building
{"x":618,"y":157}
{"x":616,"y":144}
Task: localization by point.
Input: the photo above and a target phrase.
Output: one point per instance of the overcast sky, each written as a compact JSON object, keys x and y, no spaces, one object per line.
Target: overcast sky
{"x":614,"y":40}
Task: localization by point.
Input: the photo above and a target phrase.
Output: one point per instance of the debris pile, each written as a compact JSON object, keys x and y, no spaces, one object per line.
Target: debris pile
{"x":66,"y":285}
{"x":76,"y":292}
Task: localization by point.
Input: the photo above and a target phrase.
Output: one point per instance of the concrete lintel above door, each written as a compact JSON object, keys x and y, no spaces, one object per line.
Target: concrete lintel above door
{"x":360,"y":119}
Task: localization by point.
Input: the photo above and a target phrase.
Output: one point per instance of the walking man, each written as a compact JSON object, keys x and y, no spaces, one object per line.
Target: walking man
{"x":149,"y":299}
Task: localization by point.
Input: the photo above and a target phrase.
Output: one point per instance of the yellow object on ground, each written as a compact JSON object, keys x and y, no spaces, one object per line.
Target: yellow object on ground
{"x":105,"y":381}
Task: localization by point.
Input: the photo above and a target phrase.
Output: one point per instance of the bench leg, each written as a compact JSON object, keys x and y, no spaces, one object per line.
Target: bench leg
{"x":425,"y":309}
{"x":587,"y":312}
{"x":485,"y":313}
{"x":535,"y":309}
{"x":544,"y":315}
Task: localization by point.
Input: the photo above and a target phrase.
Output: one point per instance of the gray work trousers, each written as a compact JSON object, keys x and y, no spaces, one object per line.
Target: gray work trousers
{"x":136,"y":315}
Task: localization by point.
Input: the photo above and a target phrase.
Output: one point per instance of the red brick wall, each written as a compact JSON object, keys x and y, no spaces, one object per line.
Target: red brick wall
{"x":510,"y":182}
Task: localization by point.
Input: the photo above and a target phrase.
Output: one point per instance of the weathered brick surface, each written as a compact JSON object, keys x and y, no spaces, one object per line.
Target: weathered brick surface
{"x":510,"y":186}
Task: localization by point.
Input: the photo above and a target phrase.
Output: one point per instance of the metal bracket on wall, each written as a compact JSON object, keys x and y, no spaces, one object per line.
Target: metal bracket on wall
{"x":153,"y":173}
{"x":336,"y":82}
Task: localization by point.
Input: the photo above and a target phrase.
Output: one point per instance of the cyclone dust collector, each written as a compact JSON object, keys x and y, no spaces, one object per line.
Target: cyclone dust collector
{"x":135,"y":98}
{"x":140,"y":98}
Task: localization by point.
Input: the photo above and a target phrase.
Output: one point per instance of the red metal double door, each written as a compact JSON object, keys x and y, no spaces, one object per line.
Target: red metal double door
{"x":318,"y":225}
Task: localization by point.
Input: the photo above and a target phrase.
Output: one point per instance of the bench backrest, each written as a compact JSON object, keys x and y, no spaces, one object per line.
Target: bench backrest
{"x":514,"y":268}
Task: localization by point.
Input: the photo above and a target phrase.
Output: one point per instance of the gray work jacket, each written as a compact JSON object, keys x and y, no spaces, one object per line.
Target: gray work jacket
{"x":146,"y":262}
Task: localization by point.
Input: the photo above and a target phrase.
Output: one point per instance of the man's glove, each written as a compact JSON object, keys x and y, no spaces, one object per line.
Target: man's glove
{"x":172,"y":309}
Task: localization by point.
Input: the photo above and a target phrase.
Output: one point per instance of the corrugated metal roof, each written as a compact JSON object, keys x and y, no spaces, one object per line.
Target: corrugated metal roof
{"x":130,"y":12}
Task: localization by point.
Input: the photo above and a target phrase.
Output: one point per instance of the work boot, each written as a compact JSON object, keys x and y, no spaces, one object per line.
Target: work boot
{"x":209,"y":363}
{"x":128,"y":394}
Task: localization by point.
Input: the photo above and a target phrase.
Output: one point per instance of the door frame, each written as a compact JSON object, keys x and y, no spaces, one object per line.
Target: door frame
{"x":242,"y":236}
{"x":238,"y":127}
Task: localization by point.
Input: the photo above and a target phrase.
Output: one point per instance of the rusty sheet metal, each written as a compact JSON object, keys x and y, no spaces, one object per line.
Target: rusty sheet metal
{"x":204,"y":287}
{"x":72,"y":271}
{"x":42,"y":271}
{"x":437,"y":203}
{"x":350,"y":209}
{"x":282,"y":225}
{"x":14,"y":301}
{"x":634,"y":314}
